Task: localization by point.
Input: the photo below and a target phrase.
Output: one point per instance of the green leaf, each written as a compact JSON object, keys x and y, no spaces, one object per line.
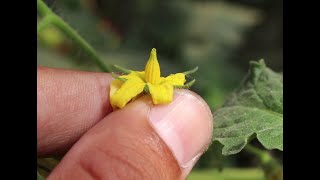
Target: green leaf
{"x":253,"y":110}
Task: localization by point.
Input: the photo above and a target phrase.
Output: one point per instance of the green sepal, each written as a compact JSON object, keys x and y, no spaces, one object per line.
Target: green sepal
{"x":122,"y":69}
{"x":117,"y":77}
{"x":146,"y":89}
{"x":191,"y":71}
{"x":188,"y":85}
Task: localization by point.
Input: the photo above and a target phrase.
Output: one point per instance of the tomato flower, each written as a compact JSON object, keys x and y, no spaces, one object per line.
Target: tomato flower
{"x":124,"y":88}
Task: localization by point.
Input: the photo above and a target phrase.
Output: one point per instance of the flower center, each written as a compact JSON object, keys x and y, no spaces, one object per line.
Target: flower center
{"x":152,"y":69}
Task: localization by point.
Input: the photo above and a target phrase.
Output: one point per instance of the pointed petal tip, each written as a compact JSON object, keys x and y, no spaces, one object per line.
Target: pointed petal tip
{"x":153,"y":52}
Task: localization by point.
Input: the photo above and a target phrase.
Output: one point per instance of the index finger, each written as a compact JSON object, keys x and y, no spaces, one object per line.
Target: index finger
{"x":68,"y":104}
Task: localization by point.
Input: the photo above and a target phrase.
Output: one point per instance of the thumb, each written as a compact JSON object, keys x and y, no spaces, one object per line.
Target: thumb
{"x":142,"y":141}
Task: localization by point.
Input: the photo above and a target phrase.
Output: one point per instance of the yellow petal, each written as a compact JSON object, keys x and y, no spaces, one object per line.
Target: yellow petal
{"x":161,"y":94}
{"x":152,"y":69}
{"x":122,"y":92}
{"x":175,"y":79}
{"x":114,"y":86}
{"x":140,"y":74}
{"x":127,"y":91}
{"x":134,"y":75}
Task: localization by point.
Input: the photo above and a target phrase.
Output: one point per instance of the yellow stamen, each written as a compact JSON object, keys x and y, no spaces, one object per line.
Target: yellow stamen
{"x":152,"y":69}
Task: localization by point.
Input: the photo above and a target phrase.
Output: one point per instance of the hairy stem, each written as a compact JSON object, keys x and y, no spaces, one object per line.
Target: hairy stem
{"x":43,"y":23}
{"x":43,"y":8}
{"x":271,"y":167}
{"x":72,"y":34}
{"x":50,"y":17}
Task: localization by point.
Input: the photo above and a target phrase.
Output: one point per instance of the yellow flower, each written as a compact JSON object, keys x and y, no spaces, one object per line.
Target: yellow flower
{"x":126,"y":87}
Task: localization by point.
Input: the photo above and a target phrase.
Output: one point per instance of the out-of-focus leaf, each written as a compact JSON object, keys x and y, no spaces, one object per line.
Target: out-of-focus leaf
{"x":39,"y":177}
{"x":51,"y":37}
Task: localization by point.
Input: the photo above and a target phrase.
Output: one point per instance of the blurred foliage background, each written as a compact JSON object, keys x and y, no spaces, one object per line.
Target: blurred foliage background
{"x":219,"y":36}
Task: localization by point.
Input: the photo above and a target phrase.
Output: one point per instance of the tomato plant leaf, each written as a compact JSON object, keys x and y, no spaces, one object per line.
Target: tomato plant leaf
{"x":255,"y":109}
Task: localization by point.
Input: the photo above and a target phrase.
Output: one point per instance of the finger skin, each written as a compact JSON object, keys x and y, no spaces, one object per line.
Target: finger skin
{"x":121,"y":146}
{"x":68,"y":104}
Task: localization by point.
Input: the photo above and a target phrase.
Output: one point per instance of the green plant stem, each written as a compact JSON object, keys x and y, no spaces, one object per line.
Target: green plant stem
{"x":43,"y":8}
{"x":43,"y":23}
{"x":259,"y":153}
{"x":72,"y":34}
{"x":50,"y":17}
{"x":270,"y":166}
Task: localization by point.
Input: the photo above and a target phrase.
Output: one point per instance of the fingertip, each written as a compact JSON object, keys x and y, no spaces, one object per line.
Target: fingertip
{"x":185,"y":125}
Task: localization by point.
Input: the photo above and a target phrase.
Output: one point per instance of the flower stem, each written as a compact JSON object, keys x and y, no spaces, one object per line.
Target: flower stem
{"x":79,"y":41}
{"x":43,"y":23}
{"x":50,"y":17}
{"x":43,"y":8}
{"x":270,"y":166}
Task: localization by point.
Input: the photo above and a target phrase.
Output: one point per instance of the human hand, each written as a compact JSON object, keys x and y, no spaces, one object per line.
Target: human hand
{"x":140,"y":141}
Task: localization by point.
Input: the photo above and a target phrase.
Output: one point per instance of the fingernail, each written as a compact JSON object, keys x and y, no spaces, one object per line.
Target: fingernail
{"x":185,"y":125}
